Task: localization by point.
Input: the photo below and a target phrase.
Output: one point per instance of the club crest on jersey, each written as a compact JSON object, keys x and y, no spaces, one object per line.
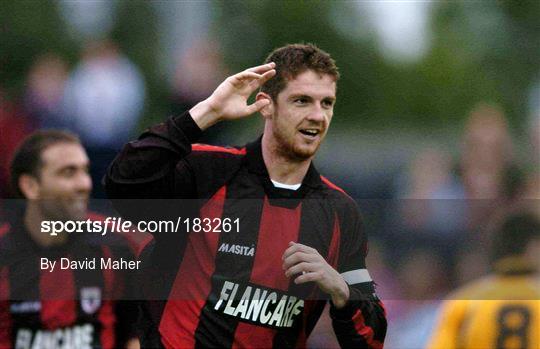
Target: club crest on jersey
{"x":237,"y":249}
{"x":90,"y":299}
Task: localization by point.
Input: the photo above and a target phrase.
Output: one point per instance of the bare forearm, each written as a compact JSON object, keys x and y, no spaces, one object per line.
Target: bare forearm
{"x":204,"y":115}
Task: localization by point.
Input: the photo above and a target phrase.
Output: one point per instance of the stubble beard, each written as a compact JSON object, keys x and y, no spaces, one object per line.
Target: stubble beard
{"x":291,"y":150}
{"x":57,"y":209}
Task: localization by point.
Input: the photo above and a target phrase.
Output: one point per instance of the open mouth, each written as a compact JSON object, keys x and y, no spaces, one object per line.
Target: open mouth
{"x":310,"y":132}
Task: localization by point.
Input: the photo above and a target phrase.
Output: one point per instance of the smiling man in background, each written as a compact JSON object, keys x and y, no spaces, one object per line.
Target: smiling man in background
{"x":59,"y":307}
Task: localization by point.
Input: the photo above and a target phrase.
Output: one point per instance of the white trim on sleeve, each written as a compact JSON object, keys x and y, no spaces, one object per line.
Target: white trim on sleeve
{"x":356,"y":276}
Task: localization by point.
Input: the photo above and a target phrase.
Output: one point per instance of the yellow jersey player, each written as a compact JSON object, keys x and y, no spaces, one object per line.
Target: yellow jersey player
{"x":501,"y":310}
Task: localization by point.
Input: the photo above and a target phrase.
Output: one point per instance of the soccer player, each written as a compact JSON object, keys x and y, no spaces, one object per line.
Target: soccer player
{"x":275,"y":240}
{"x":501,"y":310}
{"x":46,"y":305}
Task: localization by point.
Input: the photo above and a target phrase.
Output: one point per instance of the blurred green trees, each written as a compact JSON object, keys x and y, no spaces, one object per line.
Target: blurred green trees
{"x":480,"y":51}
{"x":29,"y":28}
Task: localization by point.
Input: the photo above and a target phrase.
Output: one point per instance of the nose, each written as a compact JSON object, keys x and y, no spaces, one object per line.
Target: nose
{"x":317,"y":114}
{"x":84,"y":182}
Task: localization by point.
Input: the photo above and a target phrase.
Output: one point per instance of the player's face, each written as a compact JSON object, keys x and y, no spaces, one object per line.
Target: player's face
{"x":302,"y":114}
{"x":64,"y":183}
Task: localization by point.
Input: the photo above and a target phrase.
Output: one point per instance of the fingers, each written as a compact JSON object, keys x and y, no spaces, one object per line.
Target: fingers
{"x":262,"y":68}
{"x":251,"y":79}
{"x":300,"y":268}
{"x":239,"y":80}
{"x":255,"y":84}
{"x":308,"y":277}
{"x":261,"y":72}
{"x":298,"y":257}
{"x":257,"y":106}
{"x":295,"y":247}
{"x":304,"y":261}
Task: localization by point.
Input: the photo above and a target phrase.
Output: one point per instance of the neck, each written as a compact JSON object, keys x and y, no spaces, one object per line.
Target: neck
{"x":281,"y":168}
{"x":32,"y":221}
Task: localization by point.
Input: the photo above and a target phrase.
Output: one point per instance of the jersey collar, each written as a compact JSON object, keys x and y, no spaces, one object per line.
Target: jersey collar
{"x":256,"y":165}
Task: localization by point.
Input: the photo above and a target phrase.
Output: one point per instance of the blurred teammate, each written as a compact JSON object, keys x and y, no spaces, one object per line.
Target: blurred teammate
{"x":501,"y":310}
{"x":299,"y":241}
{"x":59,"y":307}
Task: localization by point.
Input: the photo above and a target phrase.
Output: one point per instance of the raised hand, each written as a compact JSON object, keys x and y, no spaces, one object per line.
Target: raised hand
{"x":229,"y":100}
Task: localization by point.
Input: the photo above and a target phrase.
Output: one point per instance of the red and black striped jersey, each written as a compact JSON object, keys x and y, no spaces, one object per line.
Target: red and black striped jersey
{"x":63,"y":307}
{"x":226,"y":287}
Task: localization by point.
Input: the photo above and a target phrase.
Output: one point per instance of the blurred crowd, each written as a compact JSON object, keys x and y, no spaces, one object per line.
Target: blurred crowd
{"x":436,"y":230}
{"x":101,"y":99}
{"x":434,"y":236}
{"x":438,"y":235}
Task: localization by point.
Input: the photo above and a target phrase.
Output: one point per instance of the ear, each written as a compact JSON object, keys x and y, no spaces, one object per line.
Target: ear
{"x":29,"y":186}
{"x":268,"y":110}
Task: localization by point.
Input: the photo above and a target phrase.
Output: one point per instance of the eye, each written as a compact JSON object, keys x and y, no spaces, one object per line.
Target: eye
{"x":68,"y":172}
{"x":300,"y":100}
{"x":328,"y":103}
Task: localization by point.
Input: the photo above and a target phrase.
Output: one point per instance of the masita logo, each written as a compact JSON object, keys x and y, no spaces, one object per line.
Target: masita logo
{"x":25,"y":307}
{"x":259,"y":305}
{"x":237,"y":249}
